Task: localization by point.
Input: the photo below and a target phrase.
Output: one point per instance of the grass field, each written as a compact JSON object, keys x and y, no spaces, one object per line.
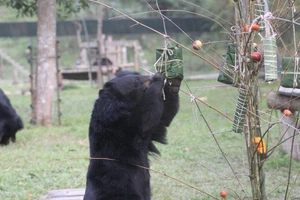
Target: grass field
{"x":47,"y":158}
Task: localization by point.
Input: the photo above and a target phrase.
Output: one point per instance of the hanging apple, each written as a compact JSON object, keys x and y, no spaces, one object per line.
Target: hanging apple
{"x":256,"y":56}
{"x":197,"y":44}
{"x":287,"y":112}
{"x":223,"y":194}
{"x":255,"y":27}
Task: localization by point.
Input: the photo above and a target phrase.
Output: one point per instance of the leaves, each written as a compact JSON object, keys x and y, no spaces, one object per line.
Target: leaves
{"x":29,"y":7}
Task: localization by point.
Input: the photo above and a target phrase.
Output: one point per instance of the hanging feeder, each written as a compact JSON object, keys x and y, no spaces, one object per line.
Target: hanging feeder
{"x":241,"y":110}
{"x":259,"y":8}
{"x":290,"y":72}
{"x":270,"y":58}
{"x":169,"y":63}
{"x":227,"y":74}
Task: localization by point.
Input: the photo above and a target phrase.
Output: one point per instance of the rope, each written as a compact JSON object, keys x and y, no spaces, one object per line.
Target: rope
{"x":296,"y":72}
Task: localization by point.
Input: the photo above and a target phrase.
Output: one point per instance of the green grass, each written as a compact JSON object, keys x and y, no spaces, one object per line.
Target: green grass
{"x":48,"y":158}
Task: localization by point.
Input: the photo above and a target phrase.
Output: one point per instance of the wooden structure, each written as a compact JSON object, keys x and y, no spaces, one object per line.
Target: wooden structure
{"x":115,"y":57}
{"x":17,"y":67}
{"x":281,"y":102}
{"x":65,"y":194}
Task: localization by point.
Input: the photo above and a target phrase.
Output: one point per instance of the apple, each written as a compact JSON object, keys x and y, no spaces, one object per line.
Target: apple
{"x":223,"y":194}
{"x":197,"y":44}
{"x":256,"y":56}
{"x":287,"y":112}
{"x":255,"y":27}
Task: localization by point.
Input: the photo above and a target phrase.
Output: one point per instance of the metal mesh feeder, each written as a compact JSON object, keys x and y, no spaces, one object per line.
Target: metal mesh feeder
{"x":241,"y":110}
{"x":270,"y":58}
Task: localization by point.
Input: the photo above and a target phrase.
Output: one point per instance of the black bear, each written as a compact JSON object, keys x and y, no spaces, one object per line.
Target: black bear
{"x":130,"y":113}
{"x":10,"y":121}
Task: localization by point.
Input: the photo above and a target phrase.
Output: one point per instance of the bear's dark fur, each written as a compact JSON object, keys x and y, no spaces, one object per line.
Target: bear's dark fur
{"x":128,"y":116}
{"x":10,"y":121}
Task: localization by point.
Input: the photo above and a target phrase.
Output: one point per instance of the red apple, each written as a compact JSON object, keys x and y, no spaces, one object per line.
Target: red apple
{"x":223,"y":194}
{"x":256,"y":56}
{"x":197,"y":44}
{"x":255,"y":27}
{"x":287,"y":112}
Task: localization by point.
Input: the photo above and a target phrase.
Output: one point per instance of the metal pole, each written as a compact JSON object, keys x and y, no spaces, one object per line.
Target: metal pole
{"x":32,"y":90}
{"x":58,"y":81}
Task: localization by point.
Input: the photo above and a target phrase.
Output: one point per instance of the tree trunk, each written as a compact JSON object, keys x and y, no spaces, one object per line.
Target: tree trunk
{"x":46,"y":59}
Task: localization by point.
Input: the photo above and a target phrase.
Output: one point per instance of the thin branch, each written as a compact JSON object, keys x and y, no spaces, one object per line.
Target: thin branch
{"x":161,"y":173}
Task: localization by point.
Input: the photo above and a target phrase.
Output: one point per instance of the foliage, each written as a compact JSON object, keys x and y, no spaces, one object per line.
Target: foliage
{"x":24,"y":7}
{"x":29,"y":7}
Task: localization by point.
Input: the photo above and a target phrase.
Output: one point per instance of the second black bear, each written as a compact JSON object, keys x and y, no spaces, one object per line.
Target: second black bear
{"x":128,"y":116}
{"x":10,"y":121}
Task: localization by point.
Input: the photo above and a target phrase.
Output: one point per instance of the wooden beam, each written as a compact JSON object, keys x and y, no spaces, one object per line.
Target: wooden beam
{"x":280,"y":102}
{"x":65,"y":194}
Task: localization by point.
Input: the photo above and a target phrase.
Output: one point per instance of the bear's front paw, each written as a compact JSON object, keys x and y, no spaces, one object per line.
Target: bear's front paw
{"x":158,"y":77}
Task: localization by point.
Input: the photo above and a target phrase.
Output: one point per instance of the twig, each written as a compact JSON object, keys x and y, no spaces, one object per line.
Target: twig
{"x":294,"y":183}
{"x":208,"y":105}
{"x":221,"y":150}
{"x":183,"y":11}
{"x":161,"y":34}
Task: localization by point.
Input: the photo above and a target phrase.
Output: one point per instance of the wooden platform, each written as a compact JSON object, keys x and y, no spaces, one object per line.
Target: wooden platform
{"x":83,"y":73}
{"x":65,"y":194}
{"x":79,"y":73}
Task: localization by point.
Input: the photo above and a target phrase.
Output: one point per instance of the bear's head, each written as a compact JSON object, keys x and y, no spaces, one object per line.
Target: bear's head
{"x":128,"y":89}
{"x":119,"y":97}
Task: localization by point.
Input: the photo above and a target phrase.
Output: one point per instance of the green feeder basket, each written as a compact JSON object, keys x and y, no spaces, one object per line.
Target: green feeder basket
{"x":226,"y":71}
{"x":225,"y":74}
{"x":290,"y":72}
{"x":169,"y":62}
{"x":270,"y":58}
{"x":240,"y":111}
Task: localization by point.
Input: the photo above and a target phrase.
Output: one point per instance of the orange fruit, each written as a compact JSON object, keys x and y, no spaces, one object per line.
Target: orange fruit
{"x":261,"y":144}
{"x":287,"y":112}
{"x":223,"y":194}
{"x":246,"y":28}
{"x":255,"y":27}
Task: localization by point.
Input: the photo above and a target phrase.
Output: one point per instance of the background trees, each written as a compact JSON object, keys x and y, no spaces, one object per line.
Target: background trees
{"x":45,"y":79}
